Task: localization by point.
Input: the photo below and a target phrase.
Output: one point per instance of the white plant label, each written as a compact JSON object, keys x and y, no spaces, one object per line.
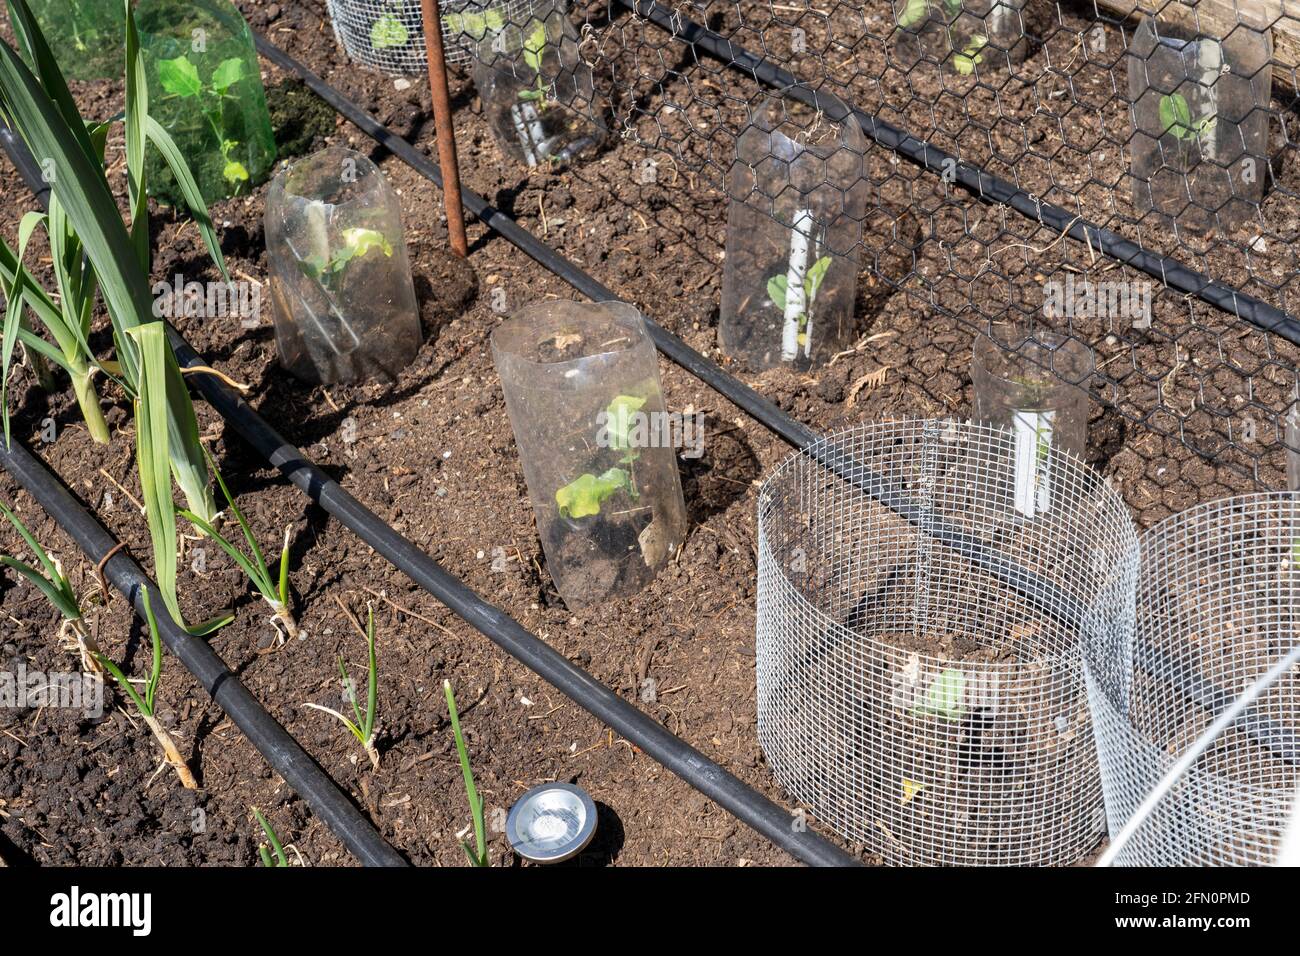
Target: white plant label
{"x":1033,"y":476}
{"x":528,"y":126}
{"x":796,"y":302}
{"x":1211,"y":67}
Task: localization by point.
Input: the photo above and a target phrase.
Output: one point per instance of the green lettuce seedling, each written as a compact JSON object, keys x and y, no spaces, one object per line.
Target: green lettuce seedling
{"x":180,"y":77}
{"x":944,"y":695}
{"x":779,"y":285}
{"x":534,"y":50}
{"x":1176,"y":120}
{"x":584,"y":496}
{"x":388,"y":32}
{"x":356,"y":244}
{"x":476,"y":25}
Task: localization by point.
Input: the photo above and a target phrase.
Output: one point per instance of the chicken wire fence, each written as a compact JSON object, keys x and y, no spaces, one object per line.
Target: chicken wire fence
{"x":388,"y":35}
{"x":909,"y":695}
{"x":1216,"y":609}
{"x":1124,"y":174}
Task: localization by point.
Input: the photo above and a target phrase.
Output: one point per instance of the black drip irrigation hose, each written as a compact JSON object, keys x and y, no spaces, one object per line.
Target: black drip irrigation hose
{"x":692,"y":766}
{"x":272,"y":741}
{"x":1050,"y":600}
{"x":984,"y":185}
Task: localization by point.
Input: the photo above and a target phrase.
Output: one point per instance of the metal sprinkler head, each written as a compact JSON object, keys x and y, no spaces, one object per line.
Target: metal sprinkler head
{"x":551,"y":823}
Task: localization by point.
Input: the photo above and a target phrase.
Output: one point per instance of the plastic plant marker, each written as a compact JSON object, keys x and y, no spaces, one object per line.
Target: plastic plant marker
{"x":84,"y":35}
{"x":582,"y":389}
{"x":205,"y":87}
{"x":341,"y":289}
{"x":1200,"y":123}
{"x":1033,"y":476}
{"x":540,"y":97}
{"x":794,"y":229}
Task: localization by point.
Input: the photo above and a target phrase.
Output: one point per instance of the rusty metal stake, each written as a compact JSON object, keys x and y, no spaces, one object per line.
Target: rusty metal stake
{"x":443,"y":126}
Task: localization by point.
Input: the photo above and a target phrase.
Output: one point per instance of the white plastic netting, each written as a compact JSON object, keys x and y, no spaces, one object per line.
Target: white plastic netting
{"x":388,"y":35}
{"x":1218,"y":605}
{"x":907,"y":694}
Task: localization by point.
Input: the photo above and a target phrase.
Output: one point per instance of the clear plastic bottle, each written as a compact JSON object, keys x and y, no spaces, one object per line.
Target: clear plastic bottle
{"x":582,"y":388}
{"x":539,"y":97}
{"x":1036,"y":388}
{"x":341,"y":289}
{"x":794,"y":229}
{"x":85,"y":36}
{"x":205,"y":89}
{"x":1200,"y":123}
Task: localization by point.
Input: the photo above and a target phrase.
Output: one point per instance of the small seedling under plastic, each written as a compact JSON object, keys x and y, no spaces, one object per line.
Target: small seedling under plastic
{"x":56,"y":587}
{"x":584,"y":496}
{"x":145,"y":703}
{"x":366,"y":724}
{"x":179,"y":77}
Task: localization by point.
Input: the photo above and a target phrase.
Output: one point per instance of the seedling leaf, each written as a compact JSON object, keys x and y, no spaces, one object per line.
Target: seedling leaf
{"x":228,"y":74}
{"x":583,"y":496}
{"x":179,"y":77}
{"x":776,"y":290}
{"x":388,"y":32}
{"x":944,"y":695}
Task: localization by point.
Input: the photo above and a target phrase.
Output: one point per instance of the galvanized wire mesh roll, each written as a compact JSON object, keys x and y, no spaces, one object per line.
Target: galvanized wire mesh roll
{"x":389,"y":34}
{"x":1218,"y":604}
{"x":914,"y":702}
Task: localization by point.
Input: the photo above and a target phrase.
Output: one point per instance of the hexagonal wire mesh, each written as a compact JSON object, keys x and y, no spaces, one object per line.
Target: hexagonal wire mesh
{"x":911,"y":698}
{"x":388,"y":35}
{"x":1217,"y":608}
{"x":1124,"y":180}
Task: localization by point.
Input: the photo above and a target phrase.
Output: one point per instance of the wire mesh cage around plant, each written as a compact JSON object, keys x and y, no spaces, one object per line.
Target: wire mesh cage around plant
{"x":1216,"y":609}
{"x":912,"y":699}
{"x":388,"y":35}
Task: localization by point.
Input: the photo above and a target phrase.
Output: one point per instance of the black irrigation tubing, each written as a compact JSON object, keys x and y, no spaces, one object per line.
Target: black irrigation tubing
{"x":281,"y":750}
{"x":986,"y":186}
{"x":330,"y":805}
{"x":1041,"y":593}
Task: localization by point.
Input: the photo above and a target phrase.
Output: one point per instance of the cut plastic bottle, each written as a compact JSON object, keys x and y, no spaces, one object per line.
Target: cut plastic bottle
{"x":794,"y":232}
{"x":1034,"y":388}
{"x":205,"y":88}
{"x":1200,"y":123}
{"x":539,"y":96}
{"x":582,"y":388}
{"x":341,"y":290}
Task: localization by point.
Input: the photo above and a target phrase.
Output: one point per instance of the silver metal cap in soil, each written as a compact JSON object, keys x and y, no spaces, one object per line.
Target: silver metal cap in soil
{"x":551,"y":823}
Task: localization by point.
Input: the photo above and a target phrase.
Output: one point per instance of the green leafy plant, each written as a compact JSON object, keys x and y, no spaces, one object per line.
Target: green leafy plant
{"x":1176,"y":120}
{"x":180,"y":77}
{"x":272,"y":845}
{"x":56,"y":587}
{"x":366,"y":725}
{"x":971,"y":56}
{"x":388,"y":32}
{"x":357,"y":242}
{"x":476,"y":25}
{"x":584,"y":496}
{"x":272,"y":589}
{"x":534,"y":50}
{"x":778,"y":287}
{"x":145,"y":703}
{"x":943,"y":697}
{"x":478,"y":855}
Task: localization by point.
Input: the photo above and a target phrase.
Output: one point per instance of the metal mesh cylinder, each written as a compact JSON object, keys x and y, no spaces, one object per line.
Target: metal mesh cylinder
{"x":1217,"y":606}
{"x":913,"y":700}
{"x":389,"y":34}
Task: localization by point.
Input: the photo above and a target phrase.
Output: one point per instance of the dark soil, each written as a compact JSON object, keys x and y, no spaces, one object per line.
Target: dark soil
{"x":433,"y":455}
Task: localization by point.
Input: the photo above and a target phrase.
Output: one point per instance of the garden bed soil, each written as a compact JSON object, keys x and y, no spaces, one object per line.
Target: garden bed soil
{"x":433,"y":455}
